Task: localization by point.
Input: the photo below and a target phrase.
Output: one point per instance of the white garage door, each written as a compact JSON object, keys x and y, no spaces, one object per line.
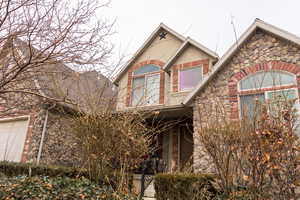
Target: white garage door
{"x":12,"y":139}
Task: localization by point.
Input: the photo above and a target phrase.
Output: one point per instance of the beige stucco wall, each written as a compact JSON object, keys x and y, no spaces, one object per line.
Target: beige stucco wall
{"x":191,"y":53}
{"x":161,"y":50}
{"x":122,"y":92}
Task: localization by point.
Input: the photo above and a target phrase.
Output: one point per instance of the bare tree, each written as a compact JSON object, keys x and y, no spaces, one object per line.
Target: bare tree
{"x":43,"y":37}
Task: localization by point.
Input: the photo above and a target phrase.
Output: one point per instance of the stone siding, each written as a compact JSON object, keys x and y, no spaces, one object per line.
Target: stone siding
{"x":261,"y":49}
{"x":60,"y":147}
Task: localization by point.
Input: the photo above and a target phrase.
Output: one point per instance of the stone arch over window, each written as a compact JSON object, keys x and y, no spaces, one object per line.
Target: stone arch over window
{"x":288,"y":77}
{"x":149,"y":71}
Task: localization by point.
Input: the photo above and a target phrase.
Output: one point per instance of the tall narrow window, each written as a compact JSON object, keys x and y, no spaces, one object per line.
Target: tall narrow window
{"x":189,"y":78}
{"x":250,"y":104}
{"x":152,"y":89}
{"x":145,"y":86}
{"x":138,"y":90}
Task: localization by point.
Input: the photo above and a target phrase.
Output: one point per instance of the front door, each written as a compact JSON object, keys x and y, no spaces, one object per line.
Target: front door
{"x":186,"y":147}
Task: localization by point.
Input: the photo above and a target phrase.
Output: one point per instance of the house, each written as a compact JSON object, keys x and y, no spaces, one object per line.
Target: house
{"x":35,"y":128}
{"x":173,"y":75}
{"x":161,"y":75}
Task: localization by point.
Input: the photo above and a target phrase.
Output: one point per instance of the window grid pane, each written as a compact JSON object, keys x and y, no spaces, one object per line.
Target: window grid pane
{"x":250,"y":105}
{"x":281,"y":99}
{"x":138,"y":91}
{"x":152,"y":89}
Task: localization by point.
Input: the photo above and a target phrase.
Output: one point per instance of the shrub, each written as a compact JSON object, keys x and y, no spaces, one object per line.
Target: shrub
{"x":257,"y":157}
{"x":59,"y":188}
{"x":15,"y":169}
{"x":113,"y":144}
{"x":179,"y":186}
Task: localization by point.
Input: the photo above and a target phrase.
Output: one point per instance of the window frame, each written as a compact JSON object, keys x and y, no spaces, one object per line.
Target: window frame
{"x":186,"y":69}
{"x":145,"y":75}
{"x":265,"y":90}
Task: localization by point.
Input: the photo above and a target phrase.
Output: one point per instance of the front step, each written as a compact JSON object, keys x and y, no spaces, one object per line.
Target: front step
{"x":149,"y":193}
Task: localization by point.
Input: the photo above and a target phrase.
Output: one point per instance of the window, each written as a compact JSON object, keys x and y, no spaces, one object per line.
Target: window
{"x":266,"y":79}
{"x":145,"y":86}
{"x":189,"y":78}
{"x":281,"y":99}
{"x":265,"y":87}
{"x":146,"y":69}
{"x":250,"y":104}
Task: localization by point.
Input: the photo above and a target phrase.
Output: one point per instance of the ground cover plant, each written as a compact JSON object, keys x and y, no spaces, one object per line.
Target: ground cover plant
{"x":60,"y":188}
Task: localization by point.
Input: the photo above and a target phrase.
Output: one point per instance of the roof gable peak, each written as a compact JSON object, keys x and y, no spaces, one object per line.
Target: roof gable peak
{"x":144,"y":46}
{"x":187,"y":42}
{"x":257,"y":24}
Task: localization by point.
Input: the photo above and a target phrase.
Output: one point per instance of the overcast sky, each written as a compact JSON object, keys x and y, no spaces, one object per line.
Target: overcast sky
{"x":206,"y":21}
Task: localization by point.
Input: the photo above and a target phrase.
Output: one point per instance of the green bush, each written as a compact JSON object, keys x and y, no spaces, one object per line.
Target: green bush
{"x":58,"y":188}
{"x":179,"y":186}
{"x":12,"y":169}
{"x":15,"y":169}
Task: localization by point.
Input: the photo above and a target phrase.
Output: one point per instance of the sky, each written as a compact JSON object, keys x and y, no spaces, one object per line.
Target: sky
{"x":207,"y":21}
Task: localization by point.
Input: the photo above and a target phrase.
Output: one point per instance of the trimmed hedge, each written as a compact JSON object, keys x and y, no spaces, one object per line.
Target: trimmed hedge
{"x":180,"y":186}
{"x":58,"y":188}
{"x":12,"y":169}
{"x":15,"y":169}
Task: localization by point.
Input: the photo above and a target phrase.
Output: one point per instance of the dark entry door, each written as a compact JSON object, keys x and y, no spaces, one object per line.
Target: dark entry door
{"x":186,"y":147}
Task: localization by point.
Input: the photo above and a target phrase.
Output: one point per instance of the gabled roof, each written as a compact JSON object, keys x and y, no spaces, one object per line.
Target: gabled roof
{"x":186,"y":43}
{"x":258,"y":24}
{"x":146,"y":44}
{"x":56,"y":81}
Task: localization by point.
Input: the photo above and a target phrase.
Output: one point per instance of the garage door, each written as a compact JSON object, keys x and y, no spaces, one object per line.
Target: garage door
{"x":12,"y":139}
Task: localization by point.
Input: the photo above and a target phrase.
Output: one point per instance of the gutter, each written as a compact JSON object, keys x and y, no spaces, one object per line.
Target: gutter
{"x":42,"y":138}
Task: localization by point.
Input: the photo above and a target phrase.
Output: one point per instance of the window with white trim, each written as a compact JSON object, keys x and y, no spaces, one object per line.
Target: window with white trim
{"x":145,"y":86}
{"x":189,"y":78}
{"x":275,"y":87}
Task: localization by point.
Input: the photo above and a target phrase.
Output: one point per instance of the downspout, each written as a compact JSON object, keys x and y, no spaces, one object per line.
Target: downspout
{"x":42,"y":138}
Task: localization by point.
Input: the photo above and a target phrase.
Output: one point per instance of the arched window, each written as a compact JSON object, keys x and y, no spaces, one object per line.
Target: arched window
{"x":266,"y":86}
{"x":146,"y":69}
{"x":145,"y":86}
{"x":266,"y":80}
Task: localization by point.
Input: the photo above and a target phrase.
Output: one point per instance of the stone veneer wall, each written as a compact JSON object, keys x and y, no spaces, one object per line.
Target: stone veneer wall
{"x":59,"y":146}
{"x":259,"y":49}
